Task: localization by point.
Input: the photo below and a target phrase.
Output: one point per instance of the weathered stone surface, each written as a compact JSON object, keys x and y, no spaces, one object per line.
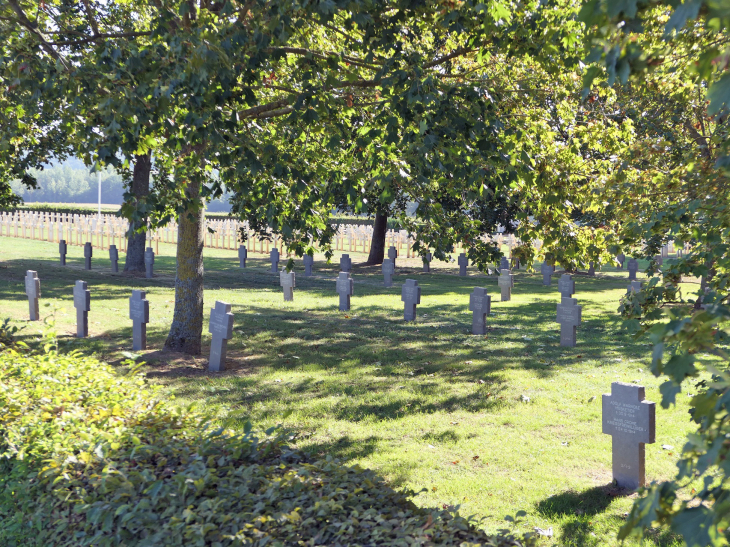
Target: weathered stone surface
{"x":388,"y":270}
{"x":463,"y":263}
{"x":480,"y":306}
{"x":139,"y":313}
{"x":506,"y":283}
{"x":504,"y":263}
{"x":393,"y":254}
{"x":149,"y":263}
{"x":621,"y":259}
{"x":634,"y":286}
{"x":221,"y":327}
{"x":411,"y":297}
{"x":114,"y":258}
{"x":631,"y":422}
{"x":287,"y":280}
{"x":274,"y":256}
{"x":345,"y":263}
{"x":632,"y":267}
{"x":308,"y":263}
{"x":82,"y":303}
{"x":33,"y":291}
{"x":427,"y":262}
{"x":62,"y":249}
{"x":88,"y":253}
{"x":242,"y":256}
{"x":566,"y":286}
{"x":569,"y":317}
{"x":345,"y":288}
{"x":547,"y":273}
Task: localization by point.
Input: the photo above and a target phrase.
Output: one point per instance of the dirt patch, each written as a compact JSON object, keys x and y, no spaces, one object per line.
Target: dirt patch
{"x":173,"y":364}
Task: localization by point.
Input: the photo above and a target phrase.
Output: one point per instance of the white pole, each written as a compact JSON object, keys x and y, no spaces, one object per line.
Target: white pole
{"x":98,"y":178}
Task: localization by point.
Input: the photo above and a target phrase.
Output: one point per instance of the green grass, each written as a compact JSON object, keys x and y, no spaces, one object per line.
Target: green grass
{"x":427,"y":404}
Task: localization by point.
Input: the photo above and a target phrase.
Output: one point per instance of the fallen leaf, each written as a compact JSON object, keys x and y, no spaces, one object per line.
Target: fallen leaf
{"x":455,"y":462}
{"x":475,"y":458}
{"x":592,"y":399}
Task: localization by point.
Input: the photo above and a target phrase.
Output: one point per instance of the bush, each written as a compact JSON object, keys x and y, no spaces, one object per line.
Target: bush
{"x":88,"y":457}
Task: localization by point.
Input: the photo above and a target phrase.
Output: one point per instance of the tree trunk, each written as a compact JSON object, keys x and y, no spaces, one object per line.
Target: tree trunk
{"x":377,"y":246}
{"x":136,"y":242}
{"x":187,"y":321}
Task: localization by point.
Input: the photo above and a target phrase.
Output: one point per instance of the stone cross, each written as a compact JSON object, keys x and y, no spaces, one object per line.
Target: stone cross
{"x":388,"y":270}
{"x":620,"y":259}
{"x":463,"y":263}
{"x":308,"y":263}
{"x":480,"y":304}
{"x":87,"y":255}
{"x":345,"y":263}
{"x":659,"y":260}
{"x":631,"y":422}
{"x":221,"y":327}
{"x":566,"y":286}
{"x":345,"y":288}
{"x":411,"y":297}
{"x":427,"y":262}
{"x":634,"y":286}
{"x":62,"y":251}
{"x":504,"y":263}
{"x":633,"y":267}
{"x":149,"y":263}
{"x":33,"y":290}
{"x":114,"y":257}
{"x":547,"y":273}
{"x":592,"y":269}
{"x":242,"y":255}
{"x":665,"y":251}
{"x":506,"y":283}
{"x":288,"y":282}
{"x":274,"y":255}
{"x":569,"y":316}
{"x":82,"y":303}
{"x":393,"y":254}
{"x":139,"y":313}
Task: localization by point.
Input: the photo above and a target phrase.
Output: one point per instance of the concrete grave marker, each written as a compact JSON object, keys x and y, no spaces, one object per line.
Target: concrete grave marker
{"x":566,"y":286}
{"x":221,"y":327}
{"x":621,"y":259}
{"x":88,"y":253}
{"x":139,"y":313}
{"x":480,"y":304}
{"x":114,"y":258}
{"x":33,"y":291}
{"x":631,"y":422}
{"x":345,"y":288}
{"x":463,"y":263}
{"x":274,"y":255}
{"x":308,"y":263}
{"x":633,"y":267}
{"x":506,"y":283}
{"x":388,"y":270}
{"x":427,"y":262}
{"x":149,"y":263}
{"x":288,"y":281}
{"x":504,"y":263}
{"x":345,"y":263}
{"x":592,"y":269}
{"x":569,"y":317}
{"x":411,"y":297}
{"x":665,"y":251}
{"x":242,"y":256}
{"x":547,"y":273}
{"x":659,"y":260}
{"x":393,"y":254}
{"x":62,"y":251}
{"x":634,"y":286}
{"x":82,"y":303}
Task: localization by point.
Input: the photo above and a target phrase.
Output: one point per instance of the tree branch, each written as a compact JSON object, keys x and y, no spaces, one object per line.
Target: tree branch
{"x":458,"y":53}
{"x":90,"y":17}
{"x":99,"y":37}
{"x":24,"y":21}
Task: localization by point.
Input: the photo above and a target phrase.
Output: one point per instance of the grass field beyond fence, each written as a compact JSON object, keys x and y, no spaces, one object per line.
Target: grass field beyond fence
{"x":493,"y":424}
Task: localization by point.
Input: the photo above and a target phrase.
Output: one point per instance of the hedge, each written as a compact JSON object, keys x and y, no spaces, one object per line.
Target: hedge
{"x":89,"y":457}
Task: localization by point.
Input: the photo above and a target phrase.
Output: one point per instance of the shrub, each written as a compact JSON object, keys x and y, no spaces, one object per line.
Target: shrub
{"x":88,"y":457}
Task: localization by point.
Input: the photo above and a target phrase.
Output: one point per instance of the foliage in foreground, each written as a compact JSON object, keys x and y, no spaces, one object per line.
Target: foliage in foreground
{"x":91,"y":458}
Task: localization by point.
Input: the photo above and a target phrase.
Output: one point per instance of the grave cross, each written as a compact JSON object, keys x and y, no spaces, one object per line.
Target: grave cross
{"x":308,"y":263}
{"x":62,"y":251}
{"x":221,"y":327}
{"x":633,"y":267}
{"x":33,"y":290}
{"x":480,"y":304}
{"x":566,"y":286}
{"x":665,"y":251}
{"x":634,"y":286}
{"x":82,"y":303}
{"x":659,"y":260}
{"x":631,"y":422}
{"x":393,"y":254}
{"x":411,"y":297}
{"x":345,"y":288}
{"x":592,"y":269}
{"x":87,"y":255}
{"x":274,"y":255}
{"x":149,"y":263}
{"x":288,"y":282}
{"x":139,"y":313}
{"x":388,"y":270}
{"x":506,"y":283}
{"x":114,"y":257}
{"x":547,"y":273}
{"x":620,"y":259}
{"x":569,"y":316}
{"x":463,"y":263}
{"x":427,"y":262}
{"x":345,"y":263}
{"x":242,"y":255}
{"x":504,"y":263}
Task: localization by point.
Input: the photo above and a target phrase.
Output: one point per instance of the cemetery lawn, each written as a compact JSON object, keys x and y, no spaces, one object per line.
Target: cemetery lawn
{"x":494,"y":424}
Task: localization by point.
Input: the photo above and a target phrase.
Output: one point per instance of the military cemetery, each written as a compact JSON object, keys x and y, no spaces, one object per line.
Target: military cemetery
{"x":190,"y":160}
